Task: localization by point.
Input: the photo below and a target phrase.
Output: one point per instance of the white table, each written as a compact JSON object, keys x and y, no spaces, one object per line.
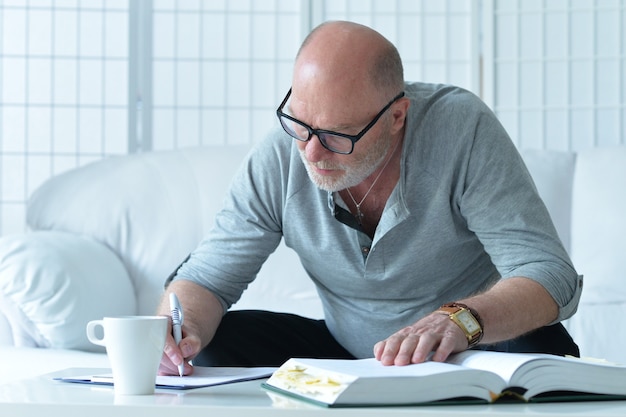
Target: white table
{"x":44,"y":396}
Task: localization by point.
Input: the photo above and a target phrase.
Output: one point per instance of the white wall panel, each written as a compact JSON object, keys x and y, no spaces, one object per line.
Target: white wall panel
{"x":558,"y":71}
{"x":438,"y":40}
{"x":215,"y":69}
{"x":82,"y":80}
{"x":63,"y":92}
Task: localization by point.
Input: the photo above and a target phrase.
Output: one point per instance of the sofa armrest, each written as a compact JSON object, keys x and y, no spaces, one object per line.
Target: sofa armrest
{"x":53,"y":283}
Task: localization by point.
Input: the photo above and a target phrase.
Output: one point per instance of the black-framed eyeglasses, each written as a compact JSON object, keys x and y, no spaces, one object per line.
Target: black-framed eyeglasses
{"x":333,"y":141}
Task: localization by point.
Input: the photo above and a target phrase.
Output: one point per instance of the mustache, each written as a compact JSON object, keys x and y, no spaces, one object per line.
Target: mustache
{"x":322,"y":164}
{"x":326,"y":165}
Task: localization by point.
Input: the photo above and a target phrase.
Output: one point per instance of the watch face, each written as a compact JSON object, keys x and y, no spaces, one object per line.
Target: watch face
{"x":468,"y":321}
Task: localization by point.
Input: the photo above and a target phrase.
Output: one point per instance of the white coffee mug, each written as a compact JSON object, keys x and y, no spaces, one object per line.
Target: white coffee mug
{"x":134,"y":345}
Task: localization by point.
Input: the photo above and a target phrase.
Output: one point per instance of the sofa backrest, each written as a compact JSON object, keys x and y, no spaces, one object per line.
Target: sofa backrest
{"x":553,"y":173}
{"x":586,"y":194}
{"x":152,"y":209}
{"x":599,"y":223}
{"x":598,"y":250}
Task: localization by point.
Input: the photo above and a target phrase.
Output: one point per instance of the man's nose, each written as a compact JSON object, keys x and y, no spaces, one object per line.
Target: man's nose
{"x":314,"y":150}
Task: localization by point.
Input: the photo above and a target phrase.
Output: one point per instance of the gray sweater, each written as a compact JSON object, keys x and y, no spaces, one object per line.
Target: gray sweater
{"x":464,"y":214}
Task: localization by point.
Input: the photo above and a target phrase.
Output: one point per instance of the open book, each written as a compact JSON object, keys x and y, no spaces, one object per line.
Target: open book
{"x":468,"y":376}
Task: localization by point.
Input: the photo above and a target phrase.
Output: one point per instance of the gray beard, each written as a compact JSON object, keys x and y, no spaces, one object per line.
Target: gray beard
{"x":355,"y":174}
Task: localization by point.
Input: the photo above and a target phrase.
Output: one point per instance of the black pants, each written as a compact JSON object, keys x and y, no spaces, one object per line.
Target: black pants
{"x":263,"y":338}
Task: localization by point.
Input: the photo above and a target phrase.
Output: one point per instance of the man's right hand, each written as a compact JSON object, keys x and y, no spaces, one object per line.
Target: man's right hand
{"x":203,"y":313}
{"x":174,"y":355}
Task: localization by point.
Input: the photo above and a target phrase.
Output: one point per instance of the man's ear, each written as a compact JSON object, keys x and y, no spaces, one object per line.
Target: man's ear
{"x":399,"y":111}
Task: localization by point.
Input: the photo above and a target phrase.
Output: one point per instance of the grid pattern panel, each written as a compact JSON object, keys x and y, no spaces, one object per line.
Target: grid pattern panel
{"x":219,"y":68}
{"x":63,"y":92}
{"x":554,"y":72}
{"x":437,"y":40}
{"x":558,"y":71}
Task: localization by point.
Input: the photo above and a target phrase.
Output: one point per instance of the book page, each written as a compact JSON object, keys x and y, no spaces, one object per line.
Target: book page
{"x":372,"y":368}
{"x":500,"y":363}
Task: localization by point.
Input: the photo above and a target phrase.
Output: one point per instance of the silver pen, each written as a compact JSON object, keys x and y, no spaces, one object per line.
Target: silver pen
{"x":177,"y":324}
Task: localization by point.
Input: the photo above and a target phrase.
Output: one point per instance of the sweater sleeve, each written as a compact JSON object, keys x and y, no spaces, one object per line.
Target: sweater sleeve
{"x":246,"y":230}
{"x":502,"y":206}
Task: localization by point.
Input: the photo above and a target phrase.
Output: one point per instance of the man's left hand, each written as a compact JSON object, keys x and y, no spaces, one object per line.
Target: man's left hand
{"x":414,"y":344}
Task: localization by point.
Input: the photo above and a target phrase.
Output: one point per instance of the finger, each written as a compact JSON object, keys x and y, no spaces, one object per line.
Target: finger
{"x":443,"y":351}
{"x":389,"y":349}
{"x":189,"y":347}
{"x":167,"y":367}
{"x":172,"y":350}
{"x":166,"y":364}
{"x":378,"y":349}
{"x":172,"y":357}
{"x":425,"y":346}
{"x":407,"y":348}
{"x":453,"y":341}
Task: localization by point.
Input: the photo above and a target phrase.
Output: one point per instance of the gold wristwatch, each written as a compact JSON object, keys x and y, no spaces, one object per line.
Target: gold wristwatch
{"x":467,"y":319}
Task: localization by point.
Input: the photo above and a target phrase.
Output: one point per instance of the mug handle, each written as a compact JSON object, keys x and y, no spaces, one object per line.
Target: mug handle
{"x":91,"y":335}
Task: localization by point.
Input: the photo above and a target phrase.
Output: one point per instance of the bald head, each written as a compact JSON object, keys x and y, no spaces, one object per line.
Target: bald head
{"x":350,"y":57}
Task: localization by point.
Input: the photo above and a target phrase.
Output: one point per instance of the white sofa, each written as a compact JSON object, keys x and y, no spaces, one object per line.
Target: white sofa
{"x":104,"y":237}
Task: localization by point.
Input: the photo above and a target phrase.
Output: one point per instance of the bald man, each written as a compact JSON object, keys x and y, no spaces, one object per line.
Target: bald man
{"x":410,"y":209}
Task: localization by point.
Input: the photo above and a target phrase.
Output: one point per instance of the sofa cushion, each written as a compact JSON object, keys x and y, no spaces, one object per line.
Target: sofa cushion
{"x":598,"y":226}
{"x":49,"y":288}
